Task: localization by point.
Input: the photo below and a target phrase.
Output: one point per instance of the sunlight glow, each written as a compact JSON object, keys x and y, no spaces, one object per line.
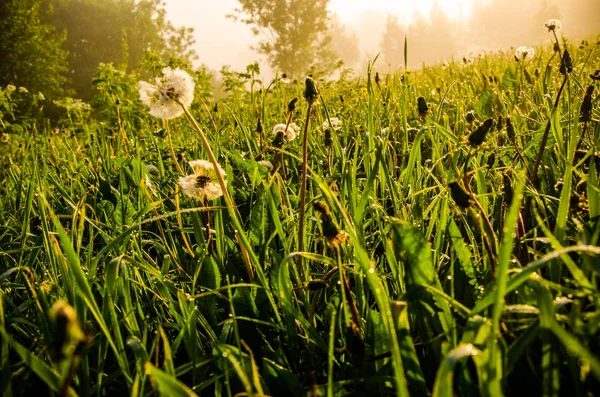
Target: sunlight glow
{"x":350,"y":11}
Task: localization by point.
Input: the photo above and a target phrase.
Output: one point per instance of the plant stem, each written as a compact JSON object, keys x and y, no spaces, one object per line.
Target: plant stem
{"x":303,"y":192}
{"x":538,"y":160}
{"x":244,"y":245}
{"x":172,"y":150}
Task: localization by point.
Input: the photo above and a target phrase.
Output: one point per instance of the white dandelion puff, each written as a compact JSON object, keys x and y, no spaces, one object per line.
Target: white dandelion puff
{"x":203,"y":183}
{"x":524,"y":54}
{"x":267,"y":164}
{"x":336,"y":124}
{"x":152,"y":169}
{"x":289,"y":133}
{"x":172,"y":91}
{"x":11,"y":88}
{"x":553,"y":25}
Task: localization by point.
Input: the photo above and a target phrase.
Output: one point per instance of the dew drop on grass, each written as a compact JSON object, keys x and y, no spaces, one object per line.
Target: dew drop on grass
{"x":371,"y":270}
{"x":570,"y":296}
{"x":449,"y":277}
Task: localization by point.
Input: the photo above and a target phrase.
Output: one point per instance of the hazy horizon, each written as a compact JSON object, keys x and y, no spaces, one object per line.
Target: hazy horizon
{"x":222,"y":41}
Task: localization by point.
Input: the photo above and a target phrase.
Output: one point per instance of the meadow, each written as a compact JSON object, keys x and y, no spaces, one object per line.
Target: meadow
{"x":445,"y":242}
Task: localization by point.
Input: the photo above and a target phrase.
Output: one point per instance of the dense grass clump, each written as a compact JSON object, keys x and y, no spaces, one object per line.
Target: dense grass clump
{"x":449,"y":243}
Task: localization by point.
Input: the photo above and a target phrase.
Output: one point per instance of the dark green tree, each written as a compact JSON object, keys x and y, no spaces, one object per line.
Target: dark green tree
{"x":294,"y":33}
{"x":117,"y":32}
{"x":30,"y":49}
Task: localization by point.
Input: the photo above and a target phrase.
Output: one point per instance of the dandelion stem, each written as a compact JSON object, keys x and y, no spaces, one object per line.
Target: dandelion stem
{"x":171,"y":148}
{"x":538,"y":159}
{"x":208,"y":239}
{"x":241,"y":237}
{"x":303,"y":192}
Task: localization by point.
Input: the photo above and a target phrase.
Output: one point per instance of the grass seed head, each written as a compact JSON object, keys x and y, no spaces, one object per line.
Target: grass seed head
{"x":585,"y":113}
{"x":422,"y":106}
{"x":566,"y":63}
{"x":478,"y":136}
{"x":67,"y":333}
{"x":459,"y":195}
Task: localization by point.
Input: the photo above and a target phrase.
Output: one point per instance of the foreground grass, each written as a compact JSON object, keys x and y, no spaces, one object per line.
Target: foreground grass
{"x":461,"y":274}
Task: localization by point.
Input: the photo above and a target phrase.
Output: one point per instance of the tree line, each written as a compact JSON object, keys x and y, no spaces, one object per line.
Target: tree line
{"x":55,"y":46}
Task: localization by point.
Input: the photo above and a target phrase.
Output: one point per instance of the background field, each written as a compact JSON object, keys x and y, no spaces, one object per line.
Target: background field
{"x":484,"y":286}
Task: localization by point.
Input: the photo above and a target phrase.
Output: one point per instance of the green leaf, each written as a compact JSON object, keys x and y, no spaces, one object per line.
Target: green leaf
{"x":410,"y":244}
{"x":168,"y":385}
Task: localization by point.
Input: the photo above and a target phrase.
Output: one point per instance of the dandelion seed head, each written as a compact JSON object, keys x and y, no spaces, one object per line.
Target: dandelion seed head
{"x":289,"y":133}
{"x":11,"y":88}
{"x":336,"y":124}
{"x":524,"y":54}
{"x":267,"y":164}
{"x":553,"y":25}
{"x":166,"y":97}
{"x":203,"y":183}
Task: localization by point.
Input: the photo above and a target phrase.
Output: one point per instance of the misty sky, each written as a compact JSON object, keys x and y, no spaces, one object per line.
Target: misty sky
{"x":222,"y":41}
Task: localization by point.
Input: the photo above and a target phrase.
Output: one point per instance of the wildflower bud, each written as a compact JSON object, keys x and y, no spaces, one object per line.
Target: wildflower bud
{"x":491,"y":160}
{"x":566,"y":63}
{"x":292,"y":105}
{"x":259,"y":127}
{"x":585,"y":114}
{"x":500,"y":123}
{"x":477,"y":137}
{"x":377,"y":78}
{"x":460,"y":197}
{"x":118,"y":102}
{"x":310,"y":93}
{"x":422,"y":106}
{"x":596,"y":75}
{"x":510,"y":130}
{"x":216,"y":108}
{"x":341,"y":99}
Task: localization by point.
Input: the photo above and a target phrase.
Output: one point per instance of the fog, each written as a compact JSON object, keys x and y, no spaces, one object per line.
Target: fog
{"x":433,"y":34}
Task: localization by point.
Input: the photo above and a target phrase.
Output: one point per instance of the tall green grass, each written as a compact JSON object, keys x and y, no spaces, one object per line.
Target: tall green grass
{"x":496,"y":295}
